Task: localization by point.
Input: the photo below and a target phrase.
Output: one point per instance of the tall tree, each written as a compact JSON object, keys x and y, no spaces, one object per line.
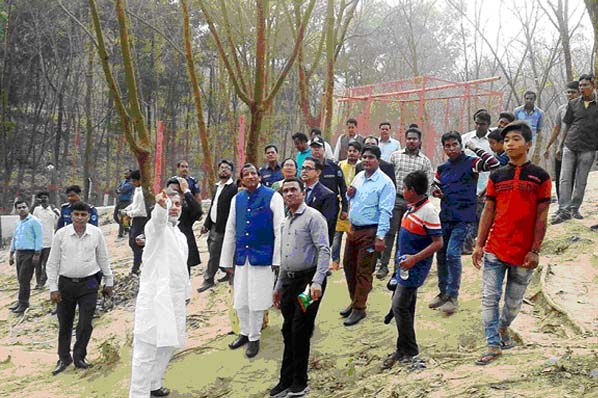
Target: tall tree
{"x":592,"y":6}
{"x":260,"y":97}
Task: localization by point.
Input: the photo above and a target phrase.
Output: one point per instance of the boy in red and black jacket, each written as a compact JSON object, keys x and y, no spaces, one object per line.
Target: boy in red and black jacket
{"x":511,"y":231}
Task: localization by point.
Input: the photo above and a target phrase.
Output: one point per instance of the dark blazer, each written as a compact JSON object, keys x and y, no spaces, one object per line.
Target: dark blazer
{"x":222,"y":209}
{"x":326,"y":202}
{"x":386,"y":167}
{"x":191,"y":212}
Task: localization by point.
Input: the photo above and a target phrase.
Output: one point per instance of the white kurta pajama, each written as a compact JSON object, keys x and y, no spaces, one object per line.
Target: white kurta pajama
{"x":160,"y":311}
{"x":253,"y":283}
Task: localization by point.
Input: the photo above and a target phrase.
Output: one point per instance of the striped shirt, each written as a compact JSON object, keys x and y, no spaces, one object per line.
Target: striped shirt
{"x":405,"y":163}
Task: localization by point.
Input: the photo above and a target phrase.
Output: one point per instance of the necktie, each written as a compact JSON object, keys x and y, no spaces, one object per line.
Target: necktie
{"x":308,"y":195}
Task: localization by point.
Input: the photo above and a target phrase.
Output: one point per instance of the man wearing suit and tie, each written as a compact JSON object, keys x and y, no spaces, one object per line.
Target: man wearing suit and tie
{"x":215,"y":223}
{"x":317,"y":195}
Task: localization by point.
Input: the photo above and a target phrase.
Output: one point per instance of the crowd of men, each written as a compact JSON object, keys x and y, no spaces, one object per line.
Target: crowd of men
{"x":276,"y":233}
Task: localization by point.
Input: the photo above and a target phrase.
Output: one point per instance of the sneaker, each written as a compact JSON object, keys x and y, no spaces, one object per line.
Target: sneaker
{"x":559,"y":217}
{"x":382,"y":272}
{"x":577,"y":215}
{"x":438,"y":301}
{"x":297,"y":391}
{"x":279,"y":391}
{"x":450,"y":306}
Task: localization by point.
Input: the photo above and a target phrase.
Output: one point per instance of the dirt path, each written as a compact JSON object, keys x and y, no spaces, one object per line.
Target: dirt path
{"x":557,"y":331}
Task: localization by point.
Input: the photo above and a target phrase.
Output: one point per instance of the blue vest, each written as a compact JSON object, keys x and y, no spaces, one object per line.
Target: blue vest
{"x":255,"y":227}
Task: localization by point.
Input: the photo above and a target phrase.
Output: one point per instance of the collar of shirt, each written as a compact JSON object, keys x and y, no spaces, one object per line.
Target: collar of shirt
{"x":312,"y":186}
{"x":228,"y":182}
{"x":277,"y":167}
{"x":300,"y":210}
{"x":417,"y":154}
{"x":73,"y":232}
{"x":375,"y":175}
{"x":413,"y":207}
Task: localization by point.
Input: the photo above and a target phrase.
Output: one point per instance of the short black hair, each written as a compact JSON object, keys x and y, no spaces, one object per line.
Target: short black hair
{"x":356,"y":145}
{"x":80,"y":206}
{"x":372,"y":137}
{"x":19,"y":201}
{"x":294,"y":179}
{"x":374,"y":150}
{"x":315,"y":130}
{"x":352,"y":121}
{"x":73,"y":188}
{"x":299,"y":136}
{"x":246,"y":166}
{"x":519,"y":125}
{"x":417,"y":180}
{"x":530,"y":92}
{"x":413,"y":129}
{"x":451,"y":135}
{"x":587,"y":76}
{"x":180,"y":162}
{"x":173,"y":180}
{"x":482,"y":114}
{"x":496,"y":135}
{"x":42,"y":193}
{"x":573,"y":85}
{"x":136,"y":175}
{"x":385,"y":123}
{"x":286,"y":160}
{"x":270,"y":146}
{"x":232,"y":166}
{"x":319,"y":165}
{"x":507,"y":115}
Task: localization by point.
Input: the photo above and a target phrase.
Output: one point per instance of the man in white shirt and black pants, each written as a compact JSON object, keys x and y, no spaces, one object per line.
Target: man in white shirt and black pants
{"x":47,"y":215}
{"x":77,"y":261}
{"x":138,"y":212}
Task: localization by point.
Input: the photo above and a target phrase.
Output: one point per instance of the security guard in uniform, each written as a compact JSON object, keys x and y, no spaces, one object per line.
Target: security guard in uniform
{"x":73,"y":195}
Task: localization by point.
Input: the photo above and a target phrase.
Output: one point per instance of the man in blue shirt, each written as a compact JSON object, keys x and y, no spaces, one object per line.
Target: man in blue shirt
{"x":27,"y":244}
{"x":271,"y":172}
{"x":371,"y":198}
{"x":73,"y":195}
{"x":534,"y":116}
{"x":303,"y":150}
{"x":124,"y":192}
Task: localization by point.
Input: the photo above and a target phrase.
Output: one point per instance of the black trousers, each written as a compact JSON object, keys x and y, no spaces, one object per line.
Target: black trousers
{"x":82,"y":293}
{"x":24,"y":274}
{"x":215,"y":240}
{"x":297,"y":328}
{"x":137,"y":226}
{"x":40,"y":269}
{"x":403,"y":307}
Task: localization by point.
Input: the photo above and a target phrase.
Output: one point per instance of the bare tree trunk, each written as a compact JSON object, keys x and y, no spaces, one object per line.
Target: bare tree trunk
{"x":88,"y":125}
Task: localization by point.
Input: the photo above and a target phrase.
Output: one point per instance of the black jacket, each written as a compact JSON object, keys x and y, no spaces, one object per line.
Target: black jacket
{"x":222,"y":209}
{"x":326,"y":202}
{"x":190,"y":213}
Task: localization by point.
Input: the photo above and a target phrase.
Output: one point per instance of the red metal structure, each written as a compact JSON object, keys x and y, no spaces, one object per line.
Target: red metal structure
{"x":436,"y":105}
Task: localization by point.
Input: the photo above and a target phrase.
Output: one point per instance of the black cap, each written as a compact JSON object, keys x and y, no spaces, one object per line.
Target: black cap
{"x":317,"y":141}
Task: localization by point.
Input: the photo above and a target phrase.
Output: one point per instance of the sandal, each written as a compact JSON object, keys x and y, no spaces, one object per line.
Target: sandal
{"x":506,"y":341}
{"x":487,"y":357}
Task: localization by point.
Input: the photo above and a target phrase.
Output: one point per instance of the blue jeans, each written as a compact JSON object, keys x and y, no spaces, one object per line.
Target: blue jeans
{"x":493,"y":275}
{"x":449,"y":257}
{"x":575,"y":166}
{"x":335,"y":250}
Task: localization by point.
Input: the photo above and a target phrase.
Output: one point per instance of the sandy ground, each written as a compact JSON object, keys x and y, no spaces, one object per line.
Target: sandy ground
{"x":554,"y":357}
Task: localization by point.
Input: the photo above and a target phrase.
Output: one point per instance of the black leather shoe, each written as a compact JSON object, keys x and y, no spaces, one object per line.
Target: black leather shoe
{"x":20,"y":309}
{"x":240,"y":341}
{"x":225,"y":278}
{"x":346,"y":312}
{"x":60,"y":366}
{"x":354,"y":318}
{"x":205,"y":286}
{"x":252,"y":349}
{"x":82,"y":364}
{"x":14,"y":305}
{"x":161,"y":392}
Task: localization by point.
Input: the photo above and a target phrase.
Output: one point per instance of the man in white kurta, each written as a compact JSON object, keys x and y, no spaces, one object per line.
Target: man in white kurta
{"x":160,"y":312}
{"x":252,"y":246}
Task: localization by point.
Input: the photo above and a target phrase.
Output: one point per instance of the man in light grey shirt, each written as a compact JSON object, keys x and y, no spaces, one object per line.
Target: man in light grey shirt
{"x":78,"y":260}
{"x":305,"y":256}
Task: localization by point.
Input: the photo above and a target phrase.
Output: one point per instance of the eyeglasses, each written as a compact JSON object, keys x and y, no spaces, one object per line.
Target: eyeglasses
{"x":308,"y":168}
